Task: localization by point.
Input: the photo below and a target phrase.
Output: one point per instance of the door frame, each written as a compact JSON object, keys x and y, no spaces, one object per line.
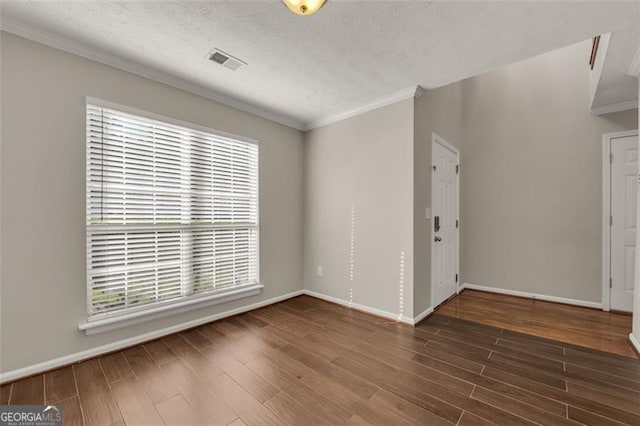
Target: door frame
{"x":607,"y":140}
{"x":435,"y":139}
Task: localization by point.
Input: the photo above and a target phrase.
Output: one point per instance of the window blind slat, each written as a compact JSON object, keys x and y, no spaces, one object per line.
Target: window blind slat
{"x":172,"y":212}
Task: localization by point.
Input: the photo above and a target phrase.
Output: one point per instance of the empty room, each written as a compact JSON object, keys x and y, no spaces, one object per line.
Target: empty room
{"x":305,"y":212}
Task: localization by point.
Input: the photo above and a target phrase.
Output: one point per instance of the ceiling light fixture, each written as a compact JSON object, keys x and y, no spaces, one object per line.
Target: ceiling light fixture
{"x":304,"y":7}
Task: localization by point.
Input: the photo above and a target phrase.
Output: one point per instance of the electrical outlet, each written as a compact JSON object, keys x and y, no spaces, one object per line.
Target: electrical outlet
{"x":320,"y":271}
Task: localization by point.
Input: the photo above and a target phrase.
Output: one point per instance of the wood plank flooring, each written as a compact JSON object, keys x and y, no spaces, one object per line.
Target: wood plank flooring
{"x":605,"y":331}
{"x":305,"y":362}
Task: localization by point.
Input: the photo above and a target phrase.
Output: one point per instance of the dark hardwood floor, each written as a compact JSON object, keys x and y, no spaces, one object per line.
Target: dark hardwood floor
{"x":606,"y":331}
{"x":305,"y":361}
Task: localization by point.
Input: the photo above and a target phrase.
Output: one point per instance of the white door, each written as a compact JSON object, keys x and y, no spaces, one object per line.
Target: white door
{"x":624,"y":189}
{"x":444,"y":221}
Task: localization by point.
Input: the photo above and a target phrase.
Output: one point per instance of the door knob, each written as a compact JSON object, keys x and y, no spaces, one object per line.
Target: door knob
{"x":437,"y":239}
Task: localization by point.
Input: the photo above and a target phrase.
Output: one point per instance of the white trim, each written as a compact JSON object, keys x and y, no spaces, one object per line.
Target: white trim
{"x":440,"y":141}
{"x":154,"y":312}
{"x":80,"y":49}
{"x":163,"y":118}
{"x":537,"y":296}
{"x":422,"y":315}
{"x":622,"y":106}
{"x":85,"y":51}
{"x":13,"y":375}
{"x":100,"y":323}
{"x":374,"y":311}
{"x":606,"y":228}
{"x":634,"y":67}
{"x":131,"y":341}
{"x":88,"y":52}
{"x":435,"y":138}
{"x":607,"y":138}
{"x":408,"y":93}
{"x":634,"y":342}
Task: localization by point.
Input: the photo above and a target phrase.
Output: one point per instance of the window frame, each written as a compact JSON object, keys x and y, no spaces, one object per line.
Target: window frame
{"x":104,"y":322}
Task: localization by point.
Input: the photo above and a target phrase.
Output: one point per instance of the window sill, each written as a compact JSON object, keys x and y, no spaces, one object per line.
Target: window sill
{"x":128,"y":319}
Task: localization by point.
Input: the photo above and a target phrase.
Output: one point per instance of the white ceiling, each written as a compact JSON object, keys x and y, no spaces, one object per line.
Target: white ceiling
{"x":304,"y":69}
{"x":616,"y":88}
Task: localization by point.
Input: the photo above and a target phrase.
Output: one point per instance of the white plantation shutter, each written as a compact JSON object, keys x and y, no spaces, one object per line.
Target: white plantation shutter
{"x":172,"y":212}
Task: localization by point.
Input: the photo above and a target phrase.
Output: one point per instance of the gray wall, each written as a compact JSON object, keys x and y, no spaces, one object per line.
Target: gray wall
{"x":364,"y":163}
{"x":530,"y":191}
{"x":436,"y":111}
{"x":531,"y":177}
{"x":531,"y":196}
{"x":43,"y":195}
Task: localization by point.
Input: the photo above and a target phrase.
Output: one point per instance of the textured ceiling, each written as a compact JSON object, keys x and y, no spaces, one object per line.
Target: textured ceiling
{"x":349,"y":54}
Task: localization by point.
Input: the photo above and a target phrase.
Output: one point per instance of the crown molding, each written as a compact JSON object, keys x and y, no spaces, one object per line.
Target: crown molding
{"x":410,"y":92}
{"x":608,"y":109}
{"x":85,"y":51}
{"x":95,"y":351}
{"x":80,"y":49}
{"x":634,"y":67}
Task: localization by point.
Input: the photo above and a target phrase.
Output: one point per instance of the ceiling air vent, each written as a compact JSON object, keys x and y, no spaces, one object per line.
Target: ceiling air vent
{"x":226,"y":60}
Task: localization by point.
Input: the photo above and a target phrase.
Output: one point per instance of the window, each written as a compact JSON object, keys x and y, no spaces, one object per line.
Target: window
{"x":172,"y":213}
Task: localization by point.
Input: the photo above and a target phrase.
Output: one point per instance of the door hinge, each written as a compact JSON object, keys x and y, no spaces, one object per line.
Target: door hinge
{"x":456,"y":277}
{"x":457,"y":168}
{"x":457,"y":223}
{"x":610,"y":282}
{"x":611,"y":158}
{"x":610,"y":220}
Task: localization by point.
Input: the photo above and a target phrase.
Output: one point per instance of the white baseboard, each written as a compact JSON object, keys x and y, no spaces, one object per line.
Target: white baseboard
{"x":536,"y":296}
{"x":121,"y":344}
{"x":13,"y":375}
{"x":634,"y":342}
{"x":422,"y":315}
{"x":374,"y":311}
